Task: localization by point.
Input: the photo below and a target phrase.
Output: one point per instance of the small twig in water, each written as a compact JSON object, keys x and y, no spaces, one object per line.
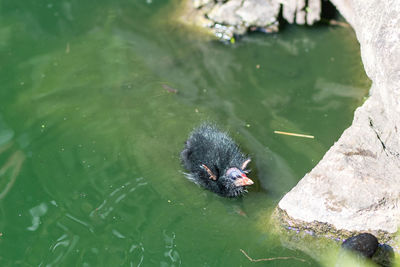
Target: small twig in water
{"x":15,"y":160}
{"x":295,"y":134}
{"x":271,"y":259}
{"x":169,"y":89}
{"x":5,"y":147}
{"x":67,"y":49}
{"x":338,"y":23}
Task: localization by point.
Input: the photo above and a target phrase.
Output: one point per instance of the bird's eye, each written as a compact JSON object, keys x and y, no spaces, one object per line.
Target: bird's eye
{"x":233,"y":173}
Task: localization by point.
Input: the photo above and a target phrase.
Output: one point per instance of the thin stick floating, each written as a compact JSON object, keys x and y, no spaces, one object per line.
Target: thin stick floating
{"x":295,"y":134}
{"x":271,"y":259}
{"x":169,"y":89}
{"x":338,"y":23}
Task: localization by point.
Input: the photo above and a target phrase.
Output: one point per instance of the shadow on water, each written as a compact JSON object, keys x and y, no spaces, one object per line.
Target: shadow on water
{"x":92,"y":164}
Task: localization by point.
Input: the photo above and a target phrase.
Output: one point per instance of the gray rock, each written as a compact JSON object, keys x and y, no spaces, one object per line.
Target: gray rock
{"x":313,"y":11}
{"x":201,"y":3}
{"x":356,"y":186}
{"x":226,"y":13}
{"x":289,"y":10}
{"x":259,"y":13}
{"x":297,"y":11}
{"x":230,"y":17}
{"x":384,"y":256}
{"x":236,"y":16}
{"x":300,"y":12}
{"x":227,"y":32}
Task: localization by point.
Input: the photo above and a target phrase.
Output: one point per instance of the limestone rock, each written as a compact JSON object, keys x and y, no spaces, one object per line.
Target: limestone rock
{"x":297,"y":11}
{"x":356,"y":186}
{"x":313,"y":11}
{"x":300,"y":12}
{"x":259,"y":13}
{"x":289,"y":10}
{"x":352,"y":187}
{"x":226,"y":13}
{"x":201,"y":3}
{"x":236,"y":17}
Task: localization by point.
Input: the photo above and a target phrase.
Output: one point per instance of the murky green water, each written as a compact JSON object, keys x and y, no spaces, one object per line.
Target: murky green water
{"x":90,"y":139}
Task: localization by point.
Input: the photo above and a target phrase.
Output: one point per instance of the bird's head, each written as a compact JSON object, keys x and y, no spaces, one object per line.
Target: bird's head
{"x":232,"y":181}
{"x":238,"y":177}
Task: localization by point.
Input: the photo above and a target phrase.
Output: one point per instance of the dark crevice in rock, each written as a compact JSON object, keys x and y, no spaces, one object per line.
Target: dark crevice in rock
{"x":281,"y":21}
{"x":380,"y":203}
{"x":385,"y":148}
{"x":328,"y":10}
{"x":377,"y":134}
{"x":360,"y":152}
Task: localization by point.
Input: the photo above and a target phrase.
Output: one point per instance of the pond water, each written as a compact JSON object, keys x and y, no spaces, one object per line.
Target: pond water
{"x":90,"y":138}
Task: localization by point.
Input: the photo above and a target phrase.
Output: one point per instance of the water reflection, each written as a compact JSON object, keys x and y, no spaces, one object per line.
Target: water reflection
{"x":138,"y":252}
{"x":13,"y":159}
{"x":107,"y":206}
{"x":36,"y":213}
{"x":171,"y":252}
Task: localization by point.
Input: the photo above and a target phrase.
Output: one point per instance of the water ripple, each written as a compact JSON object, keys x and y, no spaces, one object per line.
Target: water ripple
{"x":116,"y":196}
{"x":36,"y":213}
{"x":137,"y":249}
{"x":171,"y":253}
{"x":88,"y":226}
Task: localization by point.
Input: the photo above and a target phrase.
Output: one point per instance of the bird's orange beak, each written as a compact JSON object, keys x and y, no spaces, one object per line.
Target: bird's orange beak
{"x":243,"y":181}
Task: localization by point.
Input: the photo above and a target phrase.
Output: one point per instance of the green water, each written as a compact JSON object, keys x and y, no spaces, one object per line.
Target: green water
{"x":90,"y":139}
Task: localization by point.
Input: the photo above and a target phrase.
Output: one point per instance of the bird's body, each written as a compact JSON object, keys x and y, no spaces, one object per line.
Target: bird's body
{"x":215,"y":162}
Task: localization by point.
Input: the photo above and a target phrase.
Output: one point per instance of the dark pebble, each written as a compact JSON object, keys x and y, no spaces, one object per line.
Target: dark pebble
{"x":364,"y":244}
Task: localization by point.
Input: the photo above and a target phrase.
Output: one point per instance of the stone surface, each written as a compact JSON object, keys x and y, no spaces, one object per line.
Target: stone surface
{"x":236,"y":17}
{"x":289,"y":10}
{"x":313,"y":11}
{"x":297,"y":11}
{"x":259,"y":13}
{"x":202,"y":3}
{"x":225,"y":13}
{"x":363,"y":244}
{"x":356,"y":186}
{"x":300,"y":12}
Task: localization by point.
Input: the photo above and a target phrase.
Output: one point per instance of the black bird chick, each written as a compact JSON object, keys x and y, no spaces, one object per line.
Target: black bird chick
{"x":215,"y":162}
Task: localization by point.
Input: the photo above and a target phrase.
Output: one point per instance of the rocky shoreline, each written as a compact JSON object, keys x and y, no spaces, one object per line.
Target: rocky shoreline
{"x":356,"y":186}
{"x":226,"y":19}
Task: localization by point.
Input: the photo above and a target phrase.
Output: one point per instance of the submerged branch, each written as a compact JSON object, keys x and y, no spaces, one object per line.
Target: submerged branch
{"x":15,"y":160}
{"x":271,"y":259}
